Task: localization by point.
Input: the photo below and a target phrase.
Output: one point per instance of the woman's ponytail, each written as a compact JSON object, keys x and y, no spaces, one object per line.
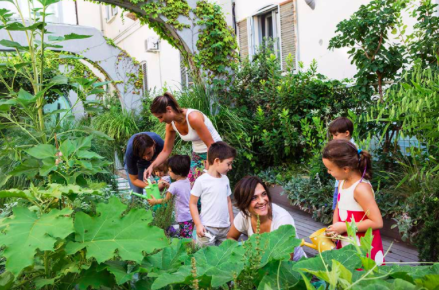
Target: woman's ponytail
{"x":160,"y":103}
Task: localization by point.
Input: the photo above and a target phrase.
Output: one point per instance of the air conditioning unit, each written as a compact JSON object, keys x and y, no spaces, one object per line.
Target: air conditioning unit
{"x":152,"y":44}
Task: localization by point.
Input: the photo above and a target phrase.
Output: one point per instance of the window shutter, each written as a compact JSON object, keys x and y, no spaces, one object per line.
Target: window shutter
{"x":243,"y":38}
{"x":288,"y":32}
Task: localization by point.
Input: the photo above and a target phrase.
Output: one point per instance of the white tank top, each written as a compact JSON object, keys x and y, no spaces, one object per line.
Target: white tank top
{"x":347,"y":201}
{"x":198,"y":145}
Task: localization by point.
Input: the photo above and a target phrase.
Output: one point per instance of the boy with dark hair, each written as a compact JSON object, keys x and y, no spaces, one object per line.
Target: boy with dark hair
{"x":341,"y":128}
{"x":178,"y":168}
{"x":213,"y":188}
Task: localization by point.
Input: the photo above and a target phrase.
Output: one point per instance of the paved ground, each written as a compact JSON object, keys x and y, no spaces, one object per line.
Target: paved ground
{"x":399,"y":251}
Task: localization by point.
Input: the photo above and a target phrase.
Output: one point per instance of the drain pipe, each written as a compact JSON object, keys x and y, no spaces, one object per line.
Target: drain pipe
{"x":101,"y":18}
{"x":76,"y":11}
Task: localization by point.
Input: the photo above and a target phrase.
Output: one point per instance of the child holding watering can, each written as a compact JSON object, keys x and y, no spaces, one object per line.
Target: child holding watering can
{"x":178,"y":168}
{"x":253,"y":199}
{"x":356,"y":198}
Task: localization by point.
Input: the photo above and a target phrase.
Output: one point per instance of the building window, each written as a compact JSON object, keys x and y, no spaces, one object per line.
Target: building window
{"x":145,"y":78}
{"x":265,"y":30}
{"x":111,"y":12}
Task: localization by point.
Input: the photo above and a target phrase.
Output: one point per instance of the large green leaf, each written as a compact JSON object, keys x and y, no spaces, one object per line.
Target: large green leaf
{"x":42,"y":151}
{"x":84,"y":154}
{"x":12,"y":193}
{"x":169,"y":259}
{"x":48,"y":166}
{"x":92,"y":278}
{"x":120,"y":271}
{"x":277,"y":245}
{"x":347,"y":256}
{"x":17,"y":26}
{"x":25,"y":98}
{"x":130,"y":235}
{"x":287,"y":279}
{"x":67,"y":148}
{"x":13,"y":44}
{"x":25,"y":233}
{"x":220,"y":263}
{"x":28,"y":167}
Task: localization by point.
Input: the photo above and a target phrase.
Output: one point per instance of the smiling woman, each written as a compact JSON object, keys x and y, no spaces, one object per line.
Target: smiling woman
{"x":253,"y":199}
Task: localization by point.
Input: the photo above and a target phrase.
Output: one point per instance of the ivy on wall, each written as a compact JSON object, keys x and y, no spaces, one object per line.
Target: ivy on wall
{"x":217,"y":46}
{"x":216,"y":42}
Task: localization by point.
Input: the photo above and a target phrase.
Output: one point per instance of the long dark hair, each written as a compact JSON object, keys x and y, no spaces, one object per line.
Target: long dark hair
{"x":244,"y":192}
{"x":160,"y":103}
{"x":344,"y":154}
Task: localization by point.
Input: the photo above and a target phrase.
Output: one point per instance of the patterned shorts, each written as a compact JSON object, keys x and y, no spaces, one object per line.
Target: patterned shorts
{"x":186,"y":229}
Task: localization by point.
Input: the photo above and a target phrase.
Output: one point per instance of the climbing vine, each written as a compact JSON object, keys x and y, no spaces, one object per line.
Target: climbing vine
{"x":216,"y":42}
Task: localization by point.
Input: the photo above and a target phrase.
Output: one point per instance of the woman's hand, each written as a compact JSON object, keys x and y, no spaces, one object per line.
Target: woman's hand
{"x":148,"y":172}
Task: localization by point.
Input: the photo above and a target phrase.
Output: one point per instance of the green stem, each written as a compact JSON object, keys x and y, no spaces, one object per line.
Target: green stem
{"x":278,"y":274}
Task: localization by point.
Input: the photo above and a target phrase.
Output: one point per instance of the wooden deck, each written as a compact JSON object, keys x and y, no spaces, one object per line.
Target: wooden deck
{"x":399,"y":251}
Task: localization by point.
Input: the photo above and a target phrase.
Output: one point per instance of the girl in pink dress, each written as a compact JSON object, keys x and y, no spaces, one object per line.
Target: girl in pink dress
{"x":356,"y":198}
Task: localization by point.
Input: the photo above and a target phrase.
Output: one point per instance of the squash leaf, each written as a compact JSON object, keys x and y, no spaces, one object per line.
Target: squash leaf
{"x":25,"y":233}
{"x":130,"y":235}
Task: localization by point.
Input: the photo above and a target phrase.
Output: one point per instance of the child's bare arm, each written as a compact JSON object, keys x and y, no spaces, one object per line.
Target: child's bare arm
{"x":363,"y":194}
{"x":335,"y":215}
{"x":195,"y":215}
{"x":229,"y":203}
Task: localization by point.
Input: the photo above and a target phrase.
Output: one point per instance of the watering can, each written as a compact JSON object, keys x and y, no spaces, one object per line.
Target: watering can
{"x":151,"y":190}
{"x":320,"y":242}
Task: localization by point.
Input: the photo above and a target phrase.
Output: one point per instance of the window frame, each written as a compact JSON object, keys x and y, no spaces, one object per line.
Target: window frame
{"x":254,"y":29}
{"x":110,"y":12}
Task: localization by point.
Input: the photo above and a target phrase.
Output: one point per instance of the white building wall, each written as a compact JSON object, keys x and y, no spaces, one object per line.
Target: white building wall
{"x":314,"y":30}
{"x":163,"y":67}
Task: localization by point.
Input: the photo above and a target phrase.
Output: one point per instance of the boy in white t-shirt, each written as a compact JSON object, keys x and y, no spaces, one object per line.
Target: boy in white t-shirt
{"x":213,"y":188}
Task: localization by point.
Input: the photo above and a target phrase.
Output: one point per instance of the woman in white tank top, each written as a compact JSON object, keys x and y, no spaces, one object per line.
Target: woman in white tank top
{"x":191,"y":125}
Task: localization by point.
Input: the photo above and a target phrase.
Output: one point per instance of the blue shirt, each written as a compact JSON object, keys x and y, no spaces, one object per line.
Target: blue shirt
{"x":133,"y":163}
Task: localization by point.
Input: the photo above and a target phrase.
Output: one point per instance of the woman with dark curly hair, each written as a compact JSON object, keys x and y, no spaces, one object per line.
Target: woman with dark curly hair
{"x":253,"y":199}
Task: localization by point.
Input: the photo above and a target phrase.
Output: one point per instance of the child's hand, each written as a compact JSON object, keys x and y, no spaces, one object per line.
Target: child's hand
{"x":164,"y":183}
{"x":337,"y":228}
{"x":200,"y":231}
{"x":152,"y":200}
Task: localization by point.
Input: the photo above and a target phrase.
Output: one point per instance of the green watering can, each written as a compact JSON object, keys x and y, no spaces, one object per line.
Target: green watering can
{"x":151,"y":190}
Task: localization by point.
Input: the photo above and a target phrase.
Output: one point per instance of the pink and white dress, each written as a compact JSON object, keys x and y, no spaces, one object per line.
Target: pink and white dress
{"x":349,"y":209}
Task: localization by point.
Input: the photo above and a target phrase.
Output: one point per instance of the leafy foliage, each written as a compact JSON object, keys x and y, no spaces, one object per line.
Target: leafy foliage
{"x":26,"y":233}
{"x":366,"y":34}
{"x":101,"y":236}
